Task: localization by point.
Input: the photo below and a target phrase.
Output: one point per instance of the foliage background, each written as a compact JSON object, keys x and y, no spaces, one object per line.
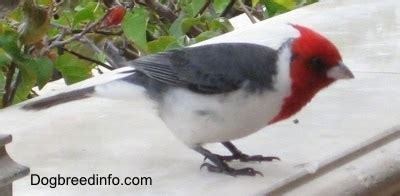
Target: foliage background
{"x":45,"y":40}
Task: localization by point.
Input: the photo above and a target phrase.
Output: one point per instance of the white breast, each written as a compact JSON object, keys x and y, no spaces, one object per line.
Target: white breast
{"x":199,"y":118}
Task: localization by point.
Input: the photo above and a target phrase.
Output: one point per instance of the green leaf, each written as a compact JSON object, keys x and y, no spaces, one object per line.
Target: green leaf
{"x":17,"y":14}
{"x":4,"y":58}
{"x":8,"y":42}
{"x":134,"y":26}
{"x":188,"y":23}
{"x":220,"y":24}
{"x":206,"y":35}
{"x":254,"y":2}
{"x":85,"y":14}
{"x":176,"y":27}
{"x":273,"y":8}
{"x":40,"y":68}
{"x":308,"y":2}
{"x":28,"y":81}
{"x":161,"y":44}
{"x":43,"y":69}
{"x":288,"y":4}
{"x":73,"y":69}
{"x":220,"y":5}
{"x":44,"y":2}
{"x":2,"y":85}
{"x":192,"y":7}
{"x":183,"y":24}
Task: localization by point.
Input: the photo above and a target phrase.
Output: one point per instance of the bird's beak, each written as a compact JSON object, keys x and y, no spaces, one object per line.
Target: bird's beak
{"x":340,"y":72}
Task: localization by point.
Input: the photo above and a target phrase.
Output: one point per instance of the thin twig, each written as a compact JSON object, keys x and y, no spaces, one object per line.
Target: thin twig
{"x":88,"y":59}
{"x":130,"y":54}
{"x":163,"y":11}
{"x":258,"y":12}
{"x":99,"y":32}
{"x":7,"y":87}
{"x":15,"y":87}
{"x":204,"y":8}
{"x":248,"y":13}
{"x":97,"y":49}
{"x":161,"y":24}
{"x":57,"y":43}
{"x":227,"y":8}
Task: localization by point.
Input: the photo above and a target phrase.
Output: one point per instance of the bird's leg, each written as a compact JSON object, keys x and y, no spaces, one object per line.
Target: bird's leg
{"x":219,"y":165}
{"x":238,"y":155}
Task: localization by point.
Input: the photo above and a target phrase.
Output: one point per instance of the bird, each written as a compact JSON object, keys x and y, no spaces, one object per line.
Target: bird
{"x":220,"y":92}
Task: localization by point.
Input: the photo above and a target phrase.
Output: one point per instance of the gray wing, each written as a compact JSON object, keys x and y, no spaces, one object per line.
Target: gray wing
{"x":211,"y":69}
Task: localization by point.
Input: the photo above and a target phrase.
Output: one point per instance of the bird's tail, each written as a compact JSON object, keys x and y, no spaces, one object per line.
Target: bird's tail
{"x":60,"y":99}
{"x":118,"y":87}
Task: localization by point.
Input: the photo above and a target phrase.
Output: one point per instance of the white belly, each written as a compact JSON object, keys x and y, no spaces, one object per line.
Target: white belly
{"x":198,"y":118}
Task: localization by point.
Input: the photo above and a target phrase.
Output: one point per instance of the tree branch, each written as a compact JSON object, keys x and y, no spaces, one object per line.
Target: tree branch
{"x":99,"y":32}
{"x":204,"y":8}
{"x":97,"y":49}
{"x":248,"y":13}
{"x":15,"y":87}
{"x":56,"y":43}
{"x":7,"y":88}
{"x":88,"y":59}
{"x":163,"y":11}
{"x":227,"y":8}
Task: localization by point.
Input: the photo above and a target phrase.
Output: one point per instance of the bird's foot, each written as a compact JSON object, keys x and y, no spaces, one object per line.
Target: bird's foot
{"x":247,"y":158}
{"x":220,"y":166}
{"x":248,"y":171}
{"x":238,"y":155}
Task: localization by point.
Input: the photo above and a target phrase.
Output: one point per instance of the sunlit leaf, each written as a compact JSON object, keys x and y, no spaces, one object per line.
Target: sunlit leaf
{"x":176,"y":27}
{"x":206,"y":35}
{"x":4,"y":58}
{"x":73,"y":69}
{"x":193,"y":7}
{"x":183,"y":24}
{"x":134,"y":26}
{"x":273,"y":8}
{"x":44,"y":2}
{"x":2,"y":85}
{"x":8,"y":42}
{"x":220,"y":5}
{"x":288,"y":4}
{"x":28,"y":81}
{"x":254,"y":2}
{"x":43,"y":69}
{"x":220,"y":24}
{"x":161,"y":44}
{"x":308,"y":2}
{"x":188,"y":23}
{"x":83,"y":15}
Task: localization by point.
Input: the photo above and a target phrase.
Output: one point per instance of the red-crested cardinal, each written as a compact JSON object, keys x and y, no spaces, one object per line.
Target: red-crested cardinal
{"x":221,"y":92}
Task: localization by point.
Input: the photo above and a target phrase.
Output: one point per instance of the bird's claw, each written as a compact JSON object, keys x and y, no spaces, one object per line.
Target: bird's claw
{"x":248,"y":171}
{"x":247,"y":158}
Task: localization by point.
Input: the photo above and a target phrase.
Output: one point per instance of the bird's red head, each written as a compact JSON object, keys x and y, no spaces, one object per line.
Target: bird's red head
{"x":315,"y":63}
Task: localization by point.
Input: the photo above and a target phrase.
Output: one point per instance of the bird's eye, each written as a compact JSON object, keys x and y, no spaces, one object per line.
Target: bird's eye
{"x":317,"y":64}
